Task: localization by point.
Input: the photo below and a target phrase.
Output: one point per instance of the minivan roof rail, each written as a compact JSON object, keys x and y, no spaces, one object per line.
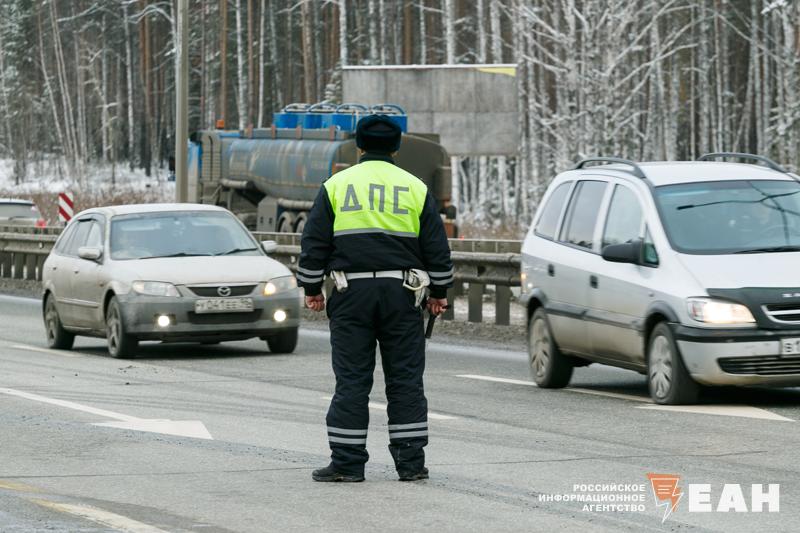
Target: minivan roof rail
{"x":753,"y":157}
{"x":636,"y":170}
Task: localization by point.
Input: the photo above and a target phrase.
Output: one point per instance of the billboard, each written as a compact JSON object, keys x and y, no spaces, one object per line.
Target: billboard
{"x":473,"y":108}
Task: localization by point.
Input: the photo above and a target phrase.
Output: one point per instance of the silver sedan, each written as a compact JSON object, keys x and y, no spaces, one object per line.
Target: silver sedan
{"x":166,"y":272}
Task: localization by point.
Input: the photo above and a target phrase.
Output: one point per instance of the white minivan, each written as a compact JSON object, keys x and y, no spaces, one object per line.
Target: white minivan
{"x":686,"y":271}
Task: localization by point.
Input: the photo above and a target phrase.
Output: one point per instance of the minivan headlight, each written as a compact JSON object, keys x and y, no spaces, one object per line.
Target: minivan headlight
{"x":155,"y":288}
{"x":718,"y":311}
{"x":277,"y":285}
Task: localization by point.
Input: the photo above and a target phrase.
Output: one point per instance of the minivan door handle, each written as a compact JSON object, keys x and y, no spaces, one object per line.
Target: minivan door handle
{"x":551,"y":270}
{"x":593,"y":281}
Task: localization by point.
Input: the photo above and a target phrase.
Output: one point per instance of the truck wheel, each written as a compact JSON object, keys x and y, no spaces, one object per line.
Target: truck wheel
{"x":283,"y":342}
{"x":550,"y":369}
{"x":57,"y":337}
{"x":301,"y":223}
{"x":667,"y":377}
{"x":285,"y":222}
{"x":121,"y":344}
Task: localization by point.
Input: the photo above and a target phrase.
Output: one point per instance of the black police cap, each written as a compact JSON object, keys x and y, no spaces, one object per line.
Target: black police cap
{"x":378,"y":133}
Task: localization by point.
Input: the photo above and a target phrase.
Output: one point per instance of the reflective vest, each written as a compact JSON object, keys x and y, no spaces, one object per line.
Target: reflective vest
{"x":376,"y":197}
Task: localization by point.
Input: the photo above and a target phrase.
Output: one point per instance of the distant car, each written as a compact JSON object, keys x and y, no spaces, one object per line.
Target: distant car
{"x":166,"y":272}
{"x":19,"y":213}
{"x":685,"y":271}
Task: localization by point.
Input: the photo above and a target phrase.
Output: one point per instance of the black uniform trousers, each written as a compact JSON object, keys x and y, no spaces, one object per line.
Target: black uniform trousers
{"x":379,"y":310}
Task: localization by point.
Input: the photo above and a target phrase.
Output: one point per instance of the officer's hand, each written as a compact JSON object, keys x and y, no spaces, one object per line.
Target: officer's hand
{"x":315,"y":303}
{"x":436,"y":306}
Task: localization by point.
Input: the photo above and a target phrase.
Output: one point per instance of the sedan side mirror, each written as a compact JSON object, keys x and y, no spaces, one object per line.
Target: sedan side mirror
{"x":629,"y":252}
{"x":90,"y":253}
{"x":269,"y":247}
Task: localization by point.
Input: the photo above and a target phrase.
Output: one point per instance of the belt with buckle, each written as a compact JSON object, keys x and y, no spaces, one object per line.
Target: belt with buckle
{"x":393,"y":274}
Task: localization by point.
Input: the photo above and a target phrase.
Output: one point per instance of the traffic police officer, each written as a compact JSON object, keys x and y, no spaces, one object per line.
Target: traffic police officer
{"x":370,"y":225}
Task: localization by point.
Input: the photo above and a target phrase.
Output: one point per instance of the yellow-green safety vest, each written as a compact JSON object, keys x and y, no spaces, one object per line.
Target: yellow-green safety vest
{"x":376,"y":197}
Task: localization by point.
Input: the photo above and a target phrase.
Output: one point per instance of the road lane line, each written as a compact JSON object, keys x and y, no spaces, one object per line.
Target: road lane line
{"x":497,"y":380}
{"x":69,"y":405}
{"x":470,"y":351}
{"x":63,"y":353}
{"x":20,"y":299}
{"x":617,"y":395}
{"x":382,"y":407}
{"x":181,"y":428}
{"x":743,"y":411}
{"x":18,"y":487}
{"x":99,"y":516}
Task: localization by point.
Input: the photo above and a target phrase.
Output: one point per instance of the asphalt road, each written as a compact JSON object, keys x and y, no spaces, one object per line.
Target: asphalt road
{"x":256,"y":426}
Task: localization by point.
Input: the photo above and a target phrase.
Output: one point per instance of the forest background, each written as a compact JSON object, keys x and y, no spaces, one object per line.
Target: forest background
{"x":89,"y":84}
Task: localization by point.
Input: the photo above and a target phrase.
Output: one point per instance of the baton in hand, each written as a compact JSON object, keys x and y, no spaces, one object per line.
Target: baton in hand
{"x":431,"y":322}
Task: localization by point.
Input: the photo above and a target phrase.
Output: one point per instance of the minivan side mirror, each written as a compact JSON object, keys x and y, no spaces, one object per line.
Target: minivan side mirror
{"x":629,"y":252}
{"x":90,"y":253}
{"x":269,"y":247}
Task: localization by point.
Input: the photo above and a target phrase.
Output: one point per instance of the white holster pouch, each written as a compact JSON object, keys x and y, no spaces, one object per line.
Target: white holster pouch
{"x":339,"y":280}
{"x":417,"y":281}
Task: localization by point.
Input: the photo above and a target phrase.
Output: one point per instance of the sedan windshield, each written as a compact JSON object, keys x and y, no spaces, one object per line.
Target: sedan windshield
{"x":725,"y":217}
{"x":178,"y":234}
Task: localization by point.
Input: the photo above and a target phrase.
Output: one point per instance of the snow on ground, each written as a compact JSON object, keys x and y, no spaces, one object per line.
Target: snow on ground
{"x":45,"y":179}
{"x":48,"y":176}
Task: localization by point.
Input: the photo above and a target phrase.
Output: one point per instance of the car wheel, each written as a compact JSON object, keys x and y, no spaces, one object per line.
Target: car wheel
{"x":57,"y":337}
{"x":667,"y":377}
{"x":283,"y":342}
{"x":549,"y":368}
{"x":120,"y":343}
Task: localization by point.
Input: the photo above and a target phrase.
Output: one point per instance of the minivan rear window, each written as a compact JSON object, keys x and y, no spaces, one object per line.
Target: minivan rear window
{"x":584,"y":209}
{"x":725,"y":217}
{"x":551,"y":212}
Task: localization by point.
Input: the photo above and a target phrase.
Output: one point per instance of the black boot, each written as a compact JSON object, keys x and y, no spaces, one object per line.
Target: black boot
{"x":329,"y":474}
{"x":414,"y":476}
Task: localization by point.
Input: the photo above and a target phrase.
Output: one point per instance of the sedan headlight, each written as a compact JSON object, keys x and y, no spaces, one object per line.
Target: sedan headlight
{"x":277,"y":285}
{"x":155,"y":288}
{"x":718,"y":312}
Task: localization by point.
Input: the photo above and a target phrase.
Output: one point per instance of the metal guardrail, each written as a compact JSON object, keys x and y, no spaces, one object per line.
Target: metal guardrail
{"x":478,"y":264}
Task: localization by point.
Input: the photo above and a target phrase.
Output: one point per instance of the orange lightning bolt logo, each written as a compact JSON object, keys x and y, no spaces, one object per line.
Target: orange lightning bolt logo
{"x":666,"y":492}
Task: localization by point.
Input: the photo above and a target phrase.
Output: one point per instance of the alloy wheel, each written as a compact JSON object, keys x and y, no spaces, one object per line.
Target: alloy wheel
{"x":661,"y":366}
{"x":114,"y":326}
{"x":540,"y":348}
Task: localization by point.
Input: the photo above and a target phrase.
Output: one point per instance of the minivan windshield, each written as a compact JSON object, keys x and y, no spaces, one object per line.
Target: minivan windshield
{"x":725,"y":217}
{"x":178,"y":234}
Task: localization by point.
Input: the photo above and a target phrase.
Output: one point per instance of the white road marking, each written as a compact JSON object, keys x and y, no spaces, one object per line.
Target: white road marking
{"x":21,"y":299}
{"x":470,"y":351}
{"x":99,"y":516}
{"x":616,"y":395}
{"x":497,"y":380}
{"x":64,"y":353}
{"x":181,"y":428}
{"x":382,"y":407}
{"x":744,"y":411}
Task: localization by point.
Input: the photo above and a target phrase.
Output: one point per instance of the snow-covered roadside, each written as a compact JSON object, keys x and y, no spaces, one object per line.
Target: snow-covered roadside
{"x":44,"y":182}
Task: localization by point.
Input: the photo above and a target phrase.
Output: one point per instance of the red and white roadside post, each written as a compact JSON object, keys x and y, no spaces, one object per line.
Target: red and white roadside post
{"x":66,"y":207}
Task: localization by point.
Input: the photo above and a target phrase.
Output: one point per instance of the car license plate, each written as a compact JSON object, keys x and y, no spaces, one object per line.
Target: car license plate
{"x":224,"y":305}
{"x":790,"y":346}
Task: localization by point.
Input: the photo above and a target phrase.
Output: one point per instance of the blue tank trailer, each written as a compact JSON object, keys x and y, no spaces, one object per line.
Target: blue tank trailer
{"x":269,"y":177}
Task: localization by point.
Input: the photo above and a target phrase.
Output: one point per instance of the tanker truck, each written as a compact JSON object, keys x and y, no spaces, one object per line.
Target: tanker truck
{"x":269,"y":177}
